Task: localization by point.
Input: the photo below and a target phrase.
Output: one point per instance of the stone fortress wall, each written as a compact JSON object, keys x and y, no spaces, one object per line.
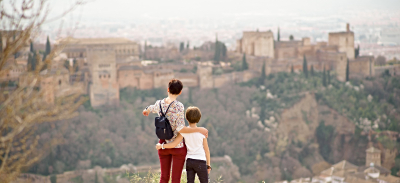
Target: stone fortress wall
{"x":108,"y":64}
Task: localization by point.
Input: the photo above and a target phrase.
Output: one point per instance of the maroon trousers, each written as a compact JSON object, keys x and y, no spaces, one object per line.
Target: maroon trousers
{"x":177,"y":157}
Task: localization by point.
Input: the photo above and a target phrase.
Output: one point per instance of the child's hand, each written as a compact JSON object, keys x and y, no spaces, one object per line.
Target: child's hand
{"x":158,"y":146}
{"x":146,"y":112}
{"x":208,"y":170}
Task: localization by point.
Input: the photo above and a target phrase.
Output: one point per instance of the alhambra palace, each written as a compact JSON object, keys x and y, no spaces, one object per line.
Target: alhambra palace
{"x":107,"y":65}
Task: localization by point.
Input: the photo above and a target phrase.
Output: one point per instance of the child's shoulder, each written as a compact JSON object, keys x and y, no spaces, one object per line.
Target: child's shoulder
{"x":195,"y":135}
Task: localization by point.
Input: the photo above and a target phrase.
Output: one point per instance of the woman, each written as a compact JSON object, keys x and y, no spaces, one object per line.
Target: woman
{"x":176,"y":117}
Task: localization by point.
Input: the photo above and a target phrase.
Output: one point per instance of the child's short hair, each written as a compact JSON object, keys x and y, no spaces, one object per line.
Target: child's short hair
{"x":175,"y":86}
{"x":193,"y":114}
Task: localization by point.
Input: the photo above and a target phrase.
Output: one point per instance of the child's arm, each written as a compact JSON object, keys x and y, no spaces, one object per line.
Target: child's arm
{"x":173,"y":144}
{"x":152,"y":108}
{"x":207,"y":151}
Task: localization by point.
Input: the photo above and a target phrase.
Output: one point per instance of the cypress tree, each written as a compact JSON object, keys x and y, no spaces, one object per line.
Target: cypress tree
{"x":224,"y":51}
{"x":217,"y":52}
{"x":263,"y":75}
{"x":31,"y":47}
{"x":291,"y":38}
{"x":329,"y":77}
{"x":244,"y":63}
{"x":96,"y":178}
{"x":279,"y":35}
{"x":187,"y":45}
{"x":370,"y":67}
{"x":145,"y":49}
{"x":34,"y":61}
{"x":15,"y":54}
{"x":312,"y":70}
{"x":29,"y":62}
{"x":75,"y":65}
{"x":357,"y":51}
{"x":181,"y":47}
{"x":305,"y":69}
{"x":292,"y":69}
{"x":347,"y":70}
{"x":48,"y":48}
{"x":324,"y":77}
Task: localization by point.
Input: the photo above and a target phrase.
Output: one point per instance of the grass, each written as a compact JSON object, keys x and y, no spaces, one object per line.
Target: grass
{"x":154,"y":177}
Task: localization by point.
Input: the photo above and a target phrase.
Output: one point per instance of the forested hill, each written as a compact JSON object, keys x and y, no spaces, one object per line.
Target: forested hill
{"x":253,"y":122}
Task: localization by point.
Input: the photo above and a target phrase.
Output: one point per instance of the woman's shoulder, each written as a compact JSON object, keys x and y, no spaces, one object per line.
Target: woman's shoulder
{"x":178,"y":104}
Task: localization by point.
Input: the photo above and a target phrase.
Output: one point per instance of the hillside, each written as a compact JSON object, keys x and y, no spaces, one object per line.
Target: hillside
{"x":286,"y":127}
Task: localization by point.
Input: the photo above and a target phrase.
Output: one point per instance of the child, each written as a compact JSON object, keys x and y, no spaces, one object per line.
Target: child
{"x":198,"y":153}
{"x":176,"y":155}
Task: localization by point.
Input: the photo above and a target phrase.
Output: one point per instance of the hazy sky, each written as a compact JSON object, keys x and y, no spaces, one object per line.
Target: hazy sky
{"x":109,"y":10}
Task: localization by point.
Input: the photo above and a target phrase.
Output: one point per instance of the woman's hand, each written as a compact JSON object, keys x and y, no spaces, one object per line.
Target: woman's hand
{"x":203,"y":131}
{"x":158,"y":146}
{"x":146,"y":112}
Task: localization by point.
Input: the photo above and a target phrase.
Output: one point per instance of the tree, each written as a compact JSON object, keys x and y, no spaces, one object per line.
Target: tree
{"x":263,"y":74}
{"x":187,"y":45}
{"x":370,"y":67}
{"x":245,"y":66}
{"x":96,"y":178}
{"x":279,"y":35}
{"x":291,"y":38}
{"x":305,"y":67}
{"x":347,"y":70}
{"x":357,"y":51}
{"x":24,"y":108}
{"x":312,"y":70}
{"x":75,"y":65}
{"x":217,"y":51}
{"x":324,"y":77}
{"x":31,"y":48}
{"x":329,"y":77}
{"x":292,"y":69}
{"x":145,"y":50}
{"x":48,"y":48}
{"x":223,"y":50}
{"x":181,"y":46}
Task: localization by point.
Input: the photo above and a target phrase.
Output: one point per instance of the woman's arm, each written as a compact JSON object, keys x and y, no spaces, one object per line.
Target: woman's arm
{"x":207,"y":151}
{"x":173,"y":144}
{"x":152,"y":108}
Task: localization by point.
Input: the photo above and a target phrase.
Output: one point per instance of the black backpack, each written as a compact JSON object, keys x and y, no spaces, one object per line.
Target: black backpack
{"x":163,"y":127}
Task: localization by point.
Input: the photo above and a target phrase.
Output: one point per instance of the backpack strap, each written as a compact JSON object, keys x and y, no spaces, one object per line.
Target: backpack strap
{"x":167,"y":108}
{"x":161,"y":109}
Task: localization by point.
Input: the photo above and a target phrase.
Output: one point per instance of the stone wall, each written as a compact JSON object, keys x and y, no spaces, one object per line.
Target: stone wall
{"x":362,"y":66}
{"x":393,"y":69}
{"x":344,"y":41}
{"x":104,"y":88}
{"x":256,"y":43}
{"x":188,"y":79}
